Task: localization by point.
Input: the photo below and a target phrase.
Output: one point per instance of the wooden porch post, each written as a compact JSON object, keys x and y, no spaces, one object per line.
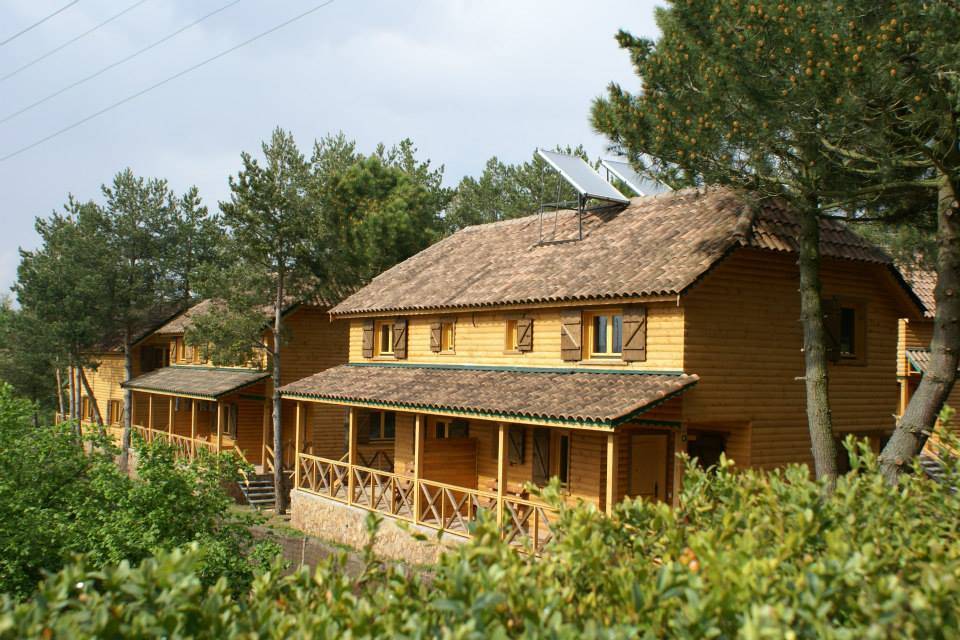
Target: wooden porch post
{"x":679,"y":446}
{"x":266,"y":434}
{"x":170,"y":416}
{"x":612,"y":471}
{"x":193,"y":427}
{"x":417,"y":464}
{"x":296,"y":447}
{"x":351,"y":451}
{"x":219,"y":425}
{"x":150,"y":417}
{"x":904,"y":395}
{"x":502,"y":431}
{"x":133,"y":408}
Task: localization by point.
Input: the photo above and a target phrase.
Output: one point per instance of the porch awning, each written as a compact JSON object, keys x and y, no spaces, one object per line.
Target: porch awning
{"x":201,"y":382}
{"x":919,"y":360}
{"x":562,"y":395}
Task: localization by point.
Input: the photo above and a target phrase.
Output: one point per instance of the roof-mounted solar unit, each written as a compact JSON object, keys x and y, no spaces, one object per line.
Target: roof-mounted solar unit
{"x":588,"y":184}
{"x":639,"y":184}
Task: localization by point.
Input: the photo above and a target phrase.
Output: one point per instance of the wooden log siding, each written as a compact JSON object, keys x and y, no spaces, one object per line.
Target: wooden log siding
{"x":400,"y":338}
{"x":525,"y":335}
{"x":634,"y":347}
{"x":571,"y":336}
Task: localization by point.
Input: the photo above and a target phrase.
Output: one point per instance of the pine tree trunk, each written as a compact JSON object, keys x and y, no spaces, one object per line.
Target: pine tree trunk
{"x":93,"y":399}
{"x":278,"y":475}
{"x":127,"y":404}
{"x":819,"y":420}
{"x":920,"y":416}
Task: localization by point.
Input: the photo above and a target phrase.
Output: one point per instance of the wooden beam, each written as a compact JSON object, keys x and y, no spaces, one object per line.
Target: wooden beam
{"x":193,"y":428}
{"x":266,"y":435}
{"x":679,"y":446}
{"x":351,"y":451}
{"x":170,"y":415}
{"x":418,"y":432}
{"x":93,"y":398}
{"x":296,"y":447}
{"x":219,"y":425}
{"x":612,"y":471}
{"x":502,"y":466}
{"x":150,"y":417}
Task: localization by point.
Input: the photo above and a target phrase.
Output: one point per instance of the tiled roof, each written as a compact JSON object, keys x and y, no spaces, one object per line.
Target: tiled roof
{"x":920,"y":359}
{"x":657,"y":245}
{"x":206,"y":382}
{"x":923,"y":282}
{"x":184,"y":320}
{"x":146,"y":327}
{"x":560,"y":395}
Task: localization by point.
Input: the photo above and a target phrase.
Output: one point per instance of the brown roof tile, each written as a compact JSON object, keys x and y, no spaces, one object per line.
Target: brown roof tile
{"x":656,"y":245}
{"x":923,"y":282}
{"x":206,"y":382}
{"x":539,"y":394}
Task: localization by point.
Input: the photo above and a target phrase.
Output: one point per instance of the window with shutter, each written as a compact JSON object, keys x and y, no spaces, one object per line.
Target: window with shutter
{"x":368,"y":338}
{"x":400,"y":338}
{"x":845,"y":330}
{"x":541,"y":456}
{"x":436,"y":336}
{"x":635,"y":334}
{"x":831,"y":328}
{"x":571,"y":335}
{"x":525,"y":335}
{"x":516,"y":436}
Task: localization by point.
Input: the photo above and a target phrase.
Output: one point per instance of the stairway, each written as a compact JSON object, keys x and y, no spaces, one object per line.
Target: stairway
{"x":259,"y":492}
{"x":932,"y":467}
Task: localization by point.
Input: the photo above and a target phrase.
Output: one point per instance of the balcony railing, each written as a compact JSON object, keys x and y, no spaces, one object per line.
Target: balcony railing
{"x":448,"y":508}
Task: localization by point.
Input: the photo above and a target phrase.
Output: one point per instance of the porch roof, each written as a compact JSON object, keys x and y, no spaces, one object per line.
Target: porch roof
{"x":202,"y":382}
{"x":540,"y":395}
{"x":920,"y":359}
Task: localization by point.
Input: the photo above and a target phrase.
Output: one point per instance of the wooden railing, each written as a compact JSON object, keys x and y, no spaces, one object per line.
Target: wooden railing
{"x":446,"y":507}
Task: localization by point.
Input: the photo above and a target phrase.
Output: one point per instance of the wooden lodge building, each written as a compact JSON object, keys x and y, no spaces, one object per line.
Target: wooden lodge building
{"x":494,"y":358}
{"x":182,"y":397}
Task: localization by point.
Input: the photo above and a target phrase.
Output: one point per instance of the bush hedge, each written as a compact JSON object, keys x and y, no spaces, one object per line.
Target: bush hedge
{"x":748,"y":554}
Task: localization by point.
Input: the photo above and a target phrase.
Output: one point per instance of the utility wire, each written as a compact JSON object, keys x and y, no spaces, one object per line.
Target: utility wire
{"x":71,"y":41}
{"x":38,"y":22}
{"x":166,"y":80}
{"x":113,"y":65}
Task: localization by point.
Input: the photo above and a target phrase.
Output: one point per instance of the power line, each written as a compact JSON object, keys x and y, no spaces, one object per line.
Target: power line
{"x":166,"y":80}
{"x":38,"y":22}
{"x":71,"y":41}
{"x":113,"y":65}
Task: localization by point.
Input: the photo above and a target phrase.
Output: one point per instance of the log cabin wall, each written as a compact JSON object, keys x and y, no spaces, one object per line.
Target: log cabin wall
{"x":743,"y":338}
{"x":315,"y":343}
{"x":480,"y":339}
{"x":916,"y":334}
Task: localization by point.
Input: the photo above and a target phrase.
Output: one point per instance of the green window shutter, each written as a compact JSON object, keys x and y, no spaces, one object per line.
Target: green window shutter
{"x":634,"y":334}
{"x":525,"y":334}
{"x":368,"y":338}
{"x":571,"y":335}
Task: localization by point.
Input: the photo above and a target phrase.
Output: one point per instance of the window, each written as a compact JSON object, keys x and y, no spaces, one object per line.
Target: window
{"x":563,"y":459}
{"x":384,"y":334}
{"x":230,"y":420}
{"x":606,"y":335}
{"x":382,"y":425}
{"x":848,"y":332}
{"x":451,"y":429}
{"x":446,"y":336}
{"x":114,"y":411}
{"x":510,"y":343}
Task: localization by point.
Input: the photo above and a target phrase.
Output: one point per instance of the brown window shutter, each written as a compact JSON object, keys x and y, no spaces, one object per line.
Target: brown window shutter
{"x":515,"y":443}
{"x":635,"y":334}
{"x":541,"y":457}
{"x":831,"y":328}
{"x":436,"y":338}
{"x":525,"y":334}
{"x":571,"y":335}
{"x":368,"y":338}
{"x":400,"y":338}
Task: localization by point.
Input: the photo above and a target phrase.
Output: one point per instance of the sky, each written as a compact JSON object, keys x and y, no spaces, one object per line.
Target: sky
{"x":464,"y":79}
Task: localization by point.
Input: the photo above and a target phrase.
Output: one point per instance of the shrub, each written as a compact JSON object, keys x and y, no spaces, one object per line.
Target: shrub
{"x":59,"y":501}
{"x":748,"y":554}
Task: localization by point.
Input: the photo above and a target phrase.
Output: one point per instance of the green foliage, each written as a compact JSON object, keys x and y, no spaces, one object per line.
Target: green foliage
{"x":505,"y":191}
{"x":748,"y":554}
{"x":59,"y":501}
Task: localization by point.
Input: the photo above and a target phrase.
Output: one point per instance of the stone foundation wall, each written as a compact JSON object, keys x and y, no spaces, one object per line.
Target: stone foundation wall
{"x":337,"y":522}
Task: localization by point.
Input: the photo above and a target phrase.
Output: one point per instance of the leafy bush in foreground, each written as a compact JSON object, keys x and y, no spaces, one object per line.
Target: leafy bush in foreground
{"x":58,"y":501}
{"x":749,"y":554}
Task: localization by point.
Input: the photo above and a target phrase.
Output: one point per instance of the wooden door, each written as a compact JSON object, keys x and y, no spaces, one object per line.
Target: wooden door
{"x":648,"y":466}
